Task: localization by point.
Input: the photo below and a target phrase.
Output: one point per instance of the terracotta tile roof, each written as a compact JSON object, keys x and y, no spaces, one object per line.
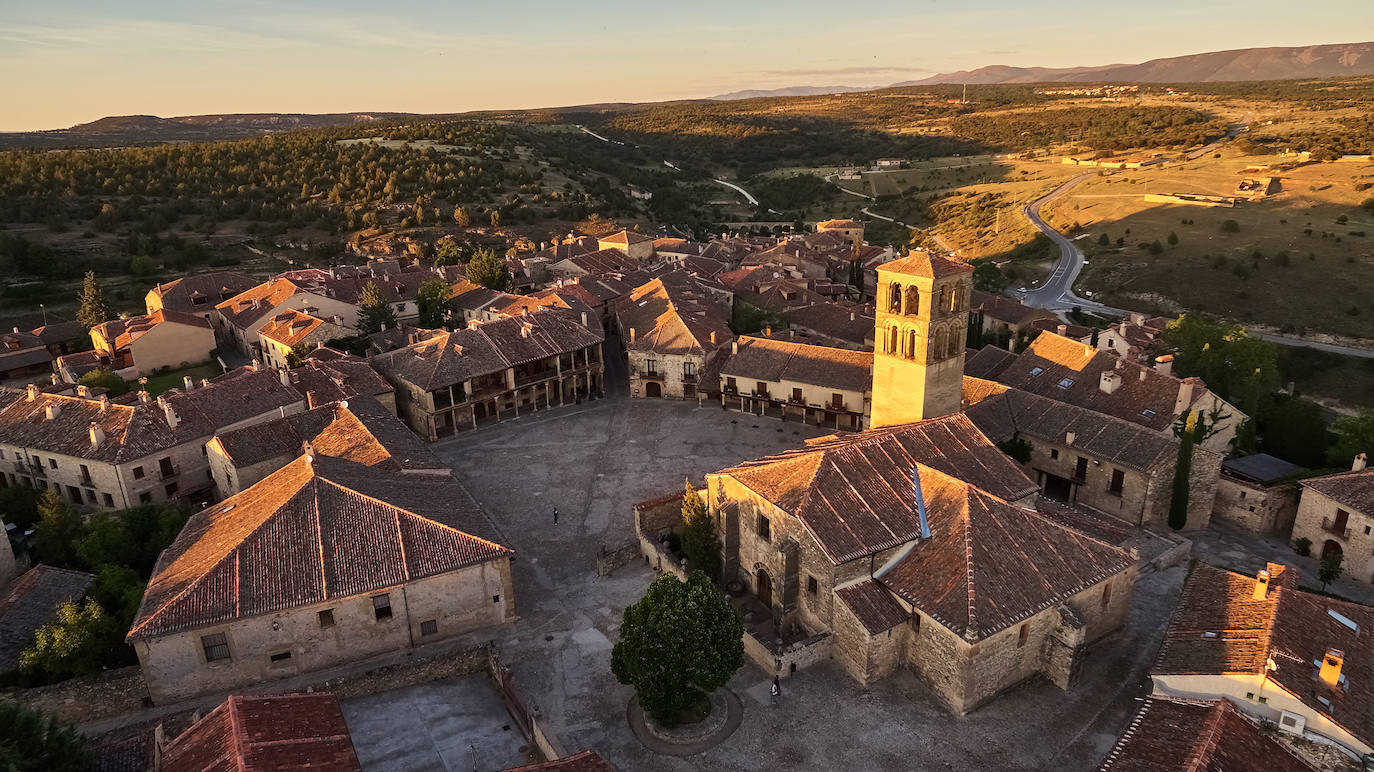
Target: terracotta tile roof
{"x":852,"y":324}
{"x":474,"y":297}
{"x":450,"y":358}
{"x":1001,"y":411}
{"x":919,"y":263}
{"x":358,"y":429}
{"x":394,"y":287}
{"x":853,"y":492}
{"x":765,"y":359}
{"x":277,"y":733}
{"x":290,"y":327}
{"x":839,"y":224}
{"x":22,"y":349}
{"x":673,"y":315}
{"x":579,"y":246}
{"x":247,"y":309}
{"x":1068,"y":371}
{"x":988,"y":362}
{"x":30,"y":602}
{"x":136,"y":752}
{"x":1004,"y":309}
{"x":137,"y":430}
{"x":121,"y":332}
{"x":989,"y":565}
{"x":1073,"y":331}
{"x":59,"y":332}
{"x":181,"y":294}
{"x":873,"y":605}
{"x":318,"y":528}
{"x":1353,"y":489}
{"x":604,"y":261}
{"x":625,"y":237}
{"x":1197,"y":737}
{"x":586,"y":761}
{"x":1220,"y":628}
{"x":339,"y":377}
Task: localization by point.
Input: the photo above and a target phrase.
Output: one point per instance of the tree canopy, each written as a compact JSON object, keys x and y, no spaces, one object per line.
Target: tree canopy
{"x":1354,"y":435}
{"x":92,"y":310}
{"x":1240,"y":369}
{"x":699,"y":541}
{"x":432,"y":299}
{"x":374,"y":312}
{"x":105,"y":378}
{"x":679,"y":642}
{"x":77,"y":642}
{"x":33,"y":741}
{"x":489,"y":270}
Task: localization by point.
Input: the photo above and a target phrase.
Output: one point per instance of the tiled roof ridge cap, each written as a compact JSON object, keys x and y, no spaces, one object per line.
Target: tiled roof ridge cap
{"x":445,"y":526}
{"x":1211,"y":735}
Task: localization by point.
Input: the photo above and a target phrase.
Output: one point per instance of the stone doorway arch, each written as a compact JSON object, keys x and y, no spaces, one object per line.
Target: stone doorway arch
{"x":653,"y":389}
{"x":1331,"y":547}
{"x":764,"y":588}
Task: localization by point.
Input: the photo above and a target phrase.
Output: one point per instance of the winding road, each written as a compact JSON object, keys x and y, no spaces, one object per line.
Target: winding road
{"x":1056,"y":294}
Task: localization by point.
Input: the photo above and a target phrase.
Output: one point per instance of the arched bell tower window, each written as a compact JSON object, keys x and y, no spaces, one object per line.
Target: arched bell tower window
{"x":913,"y":301}
{"x":911,"y":344}
{"x":894,"y":301}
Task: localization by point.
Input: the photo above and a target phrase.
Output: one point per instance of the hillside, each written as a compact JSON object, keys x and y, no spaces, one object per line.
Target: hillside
{"x":149,"y":129}
{"x":1326,"y":61}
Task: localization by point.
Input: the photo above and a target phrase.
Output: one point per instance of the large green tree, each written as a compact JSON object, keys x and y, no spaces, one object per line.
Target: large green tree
{"x":1294,"y":429}
{"x":374,"y":312}
{"x":92,"y":310}
{"x":678,"y":643}
{"x":58,"y":528}
{"x":1354,"y":435}
{"x":699,"y":541}
{"x":33,"y":741}
{"x":77,"y":642}
{"x":432,"y":300}
{"x":488,"y":270}
{"x":1242,"y":370}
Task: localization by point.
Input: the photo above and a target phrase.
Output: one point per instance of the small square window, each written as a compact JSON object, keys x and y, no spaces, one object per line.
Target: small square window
{"x":1366,"y":530}
{"x":326,"y":618}
{"x":1054,"y":453}
{"x":216,"y":647}
{"x":381,"y":606}
{"x":1065,"y":383}
{"x":496,"y":599}
{"x":138,"y":473}
{"x":1264,"y":699}
{"x":52,"y":463}
{"x":1037,"y":370}
{"x":811,"y":585}
{"x":280,"y":657}
{"x":1148,"y":413}
{"x":108,"y":499}
{"x":429,"y":627}
{"x":1249,"y":695}
{"x":1022,"y":635}
{"x":764,"y":529}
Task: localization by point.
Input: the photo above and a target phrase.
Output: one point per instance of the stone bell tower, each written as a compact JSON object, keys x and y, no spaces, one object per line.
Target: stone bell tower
{"x":922,"y":321}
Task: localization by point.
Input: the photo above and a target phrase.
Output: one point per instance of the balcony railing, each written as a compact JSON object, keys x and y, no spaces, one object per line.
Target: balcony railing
{"x":1330,"y":527}
{"x":761,"y":393}
{"x":645,"y":375}
{"x":168,"y":472}
{"x":689,"y":377}
{"x":730,"y":389}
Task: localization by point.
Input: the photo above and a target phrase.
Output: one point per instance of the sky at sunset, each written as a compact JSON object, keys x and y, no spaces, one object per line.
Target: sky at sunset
{"x":65,"y":62}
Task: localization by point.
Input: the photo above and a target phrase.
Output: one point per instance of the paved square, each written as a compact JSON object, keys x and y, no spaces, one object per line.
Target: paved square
{"x":593,"y":462}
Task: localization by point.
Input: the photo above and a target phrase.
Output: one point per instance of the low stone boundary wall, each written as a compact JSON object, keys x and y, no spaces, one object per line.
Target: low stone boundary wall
{"x":80,"y":700}
{"x":654,"y":520}
{"x":611,"y":559}
{"x":797,"y":656}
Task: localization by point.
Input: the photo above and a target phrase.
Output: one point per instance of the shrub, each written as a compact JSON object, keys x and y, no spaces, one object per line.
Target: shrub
{"x":1230,"y":226}
{"x":1302,"y":545}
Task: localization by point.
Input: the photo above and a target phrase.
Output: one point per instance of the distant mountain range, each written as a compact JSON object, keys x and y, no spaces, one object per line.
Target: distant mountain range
{"x":1327,"y":61}
{"x":146,"y":129}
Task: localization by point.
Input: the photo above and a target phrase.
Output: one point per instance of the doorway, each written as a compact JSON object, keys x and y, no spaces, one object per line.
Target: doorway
{"x":765,"y":588}
{"x":653,"y":389}
{"x":1057,"y":488}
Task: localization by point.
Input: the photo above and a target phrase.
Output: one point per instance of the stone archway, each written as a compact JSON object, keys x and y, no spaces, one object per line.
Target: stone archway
{"x":653,"y":389}
{"x":1331,"y":547}
{"x":764,"y":588}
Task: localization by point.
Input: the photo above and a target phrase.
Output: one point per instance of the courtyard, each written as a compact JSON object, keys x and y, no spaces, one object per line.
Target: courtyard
{"x":593,"y":462}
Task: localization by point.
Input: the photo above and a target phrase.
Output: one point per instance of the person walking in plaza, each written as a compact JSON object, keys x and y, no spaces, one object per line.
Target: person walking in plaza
{"x":775,"y":691}
{"x":555,"y":515}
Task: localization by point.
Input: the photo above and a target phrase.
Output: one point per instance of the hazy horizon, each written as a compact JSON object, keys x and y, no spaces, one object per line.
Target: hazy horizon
{"x":80,"y":62}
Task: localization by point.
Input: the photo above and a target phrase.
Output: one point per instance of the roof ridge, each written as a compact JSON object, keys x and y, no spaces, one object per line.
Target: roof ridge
{"x":970,"y":632}
{"x":444,"y":526}
{"x":1211,"y":735}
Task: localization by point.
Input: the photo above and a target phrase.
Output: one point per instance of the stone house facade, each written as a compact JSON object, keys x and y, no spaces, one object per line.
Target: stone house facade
{"x":283,"y":332}
{"x":161,"y":339}
{"x":1258,"y":493}
{"x":865,"y":579}
{"x":1336,"y":512}
{"x":1089,"y":459}
{"x":452,"y":381}
{"x":323,"y":562}
{"x":797,"y":382}
{"x":197,"y":293}
{"x":673,"y":330}
{"x":238,"y":319}
{"x":101,"y":455}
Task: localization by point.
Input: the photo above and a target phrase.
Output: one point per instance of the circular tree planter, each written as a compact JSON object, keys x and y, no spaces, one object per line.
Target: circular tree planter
{"x":688,"y":739}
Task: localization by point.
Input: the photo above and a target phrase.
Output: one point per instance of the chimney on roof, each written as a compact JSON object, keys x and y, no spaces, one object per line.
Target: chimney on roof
{"x":474,"y":324}
{"x":51,"y":410}
{"x":1110,"y":381}
{"x":584,"y":318}
{"x":83,"y":391}
{"x":713,"y":337}
{"x":104,"y":403}
{"x":16,"y":329}
{"x":204,"y":382}
{"x":1069,"y":437}
{"x":525,"y":330}
{"x":1062,"y":329}
{"x":1165,"y":364}
{"x":1361,"y":460}
{"x":171,"y":415}
{"x":767,"y":332}
{"x":33,"y":392}
{"x":143,"y":395}
{"x":632,"y":335}
{"x":253,"y":366}
{"x":1261,"y":585}
{"x":1141,"y":374}
{"x":734,"y":346}
{"x":1185,"y":395}
{"x":97,"y":435}
{"x":187,"y":382}
{"x":852,"y":316}
{"x":338,"y":320}
{"x":1330,"y":672}
{"x":285,"y":377}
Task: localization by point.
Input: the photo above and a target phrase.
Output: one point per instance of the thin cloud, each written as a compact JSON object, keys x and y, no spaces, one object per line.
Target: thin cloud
{"x":125,"y":34}
{"x":840,"y":72}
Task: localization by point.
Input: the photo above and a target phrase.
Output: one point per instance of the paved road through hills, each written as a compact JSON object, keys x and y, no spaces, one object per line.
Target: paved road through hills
{"x":1056,"y":294}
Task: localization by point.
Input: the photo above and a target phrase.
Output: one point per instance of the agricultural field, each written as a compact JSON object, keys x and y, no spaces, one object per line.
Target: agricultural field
{"x":1300,"y":260}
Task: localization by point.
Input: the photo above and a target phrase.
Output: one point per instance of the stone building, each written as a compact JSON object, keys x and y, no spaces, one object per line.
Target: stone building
{"x":1170,"y":734}
{"x":1069,"y":371}
{"x":1296,"y":659}
{"x":358,"y":429}
{"x":144,"y":344}
{"x":1336,"y":513}
{"x":327,"y":375}
{"x":1258,"y":493}
{"x":197,"y":293}
{"x":1090,"y":459}
{"x":279,"y":732}
{"x":454,"y":380}
{"x":284,"y":331}
{"x":913,"y":546}
{"x":1003,"y":321}
{"x":100,"y":454}
{"x":852,"y":230}
{"x":673,"y":330}
{"x":922,"y":318}
{"x":636,"y":246}
{"x":1133,"y":337}
{"x":322,"y":562}
{"x":833,"y":324}
{"x":797,"y":382}
{"x":238,"y":319}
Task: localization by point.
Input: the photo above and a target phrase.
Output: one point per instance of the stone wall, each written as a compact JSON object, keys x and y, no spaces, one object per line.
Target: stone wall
{"x":611,"y":559}
{"x":79,"y":700}
{"x":1257,"y":508}
{"x":866,"y":657}
{"x":175,"y":665}
{"x":1316,"y":520}
{"x":655,"y":519}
